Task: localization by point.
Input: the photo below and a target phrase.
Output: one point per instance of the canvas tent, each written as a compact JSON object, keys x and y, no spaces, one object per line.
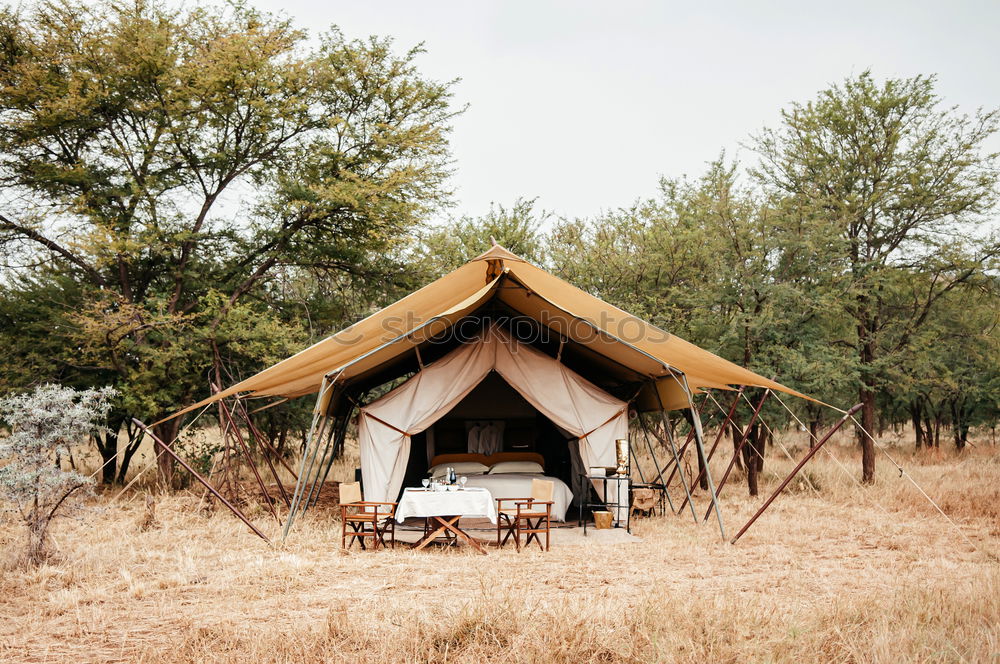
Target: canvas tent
{"x":583,"y":360}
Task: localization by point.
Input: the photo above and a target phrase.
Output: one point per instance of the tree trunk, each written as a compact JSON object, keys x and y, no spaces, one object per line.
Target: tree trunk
{"x":813,"y":432}
{"x":38,"y":527}
{"x":867,"y":398}
{"x":750,"y":460}
{"x":867,"y":330}
{"x":958,"y":424}
{"x":918,"y":430}
{"x":135,"y":440}
{"x":866,"y":395}
{"x":166,"y":432}
{"x":763,"y":438}
{"x":107,"y":447}
{"x":107,"y":444}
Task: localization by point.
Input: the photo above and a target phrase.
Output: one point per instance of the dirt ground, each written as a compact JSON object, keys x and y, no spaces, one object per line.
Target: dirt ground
{"x":837,"y":573}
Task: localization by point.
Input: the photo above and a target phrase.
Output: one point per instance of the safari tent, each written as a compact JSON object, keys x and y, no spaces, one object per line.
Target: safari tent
{"x":498,"y":340}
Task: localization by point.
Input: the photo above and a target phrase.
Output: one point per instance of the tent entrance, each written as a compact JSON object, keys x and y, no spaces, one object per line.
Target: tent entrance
{"x":515,"y":426}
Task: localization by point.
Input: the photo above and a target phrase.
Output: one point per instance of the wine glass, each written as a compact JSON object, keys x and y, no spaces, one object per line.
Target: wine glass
{"x":462,"y":480}
{"x":426,"y":482}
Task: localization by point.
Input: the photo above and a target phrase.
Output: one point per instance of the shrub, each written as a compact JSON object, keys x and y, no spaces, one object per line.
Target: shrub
{"x":43,"y":424}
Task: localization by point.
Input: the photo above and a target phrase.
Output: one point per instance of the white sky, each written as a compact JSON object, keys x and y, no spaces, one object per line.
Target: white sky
{"x":586,"y":104}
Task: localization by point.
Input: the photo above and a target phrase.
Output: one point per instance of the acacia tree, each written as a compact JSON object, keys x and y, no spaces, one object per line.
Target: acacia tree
{"x":902,"y":182}
{"x":175,"y":164}
{"x":43,"y":424}
{"x":727,"y":268}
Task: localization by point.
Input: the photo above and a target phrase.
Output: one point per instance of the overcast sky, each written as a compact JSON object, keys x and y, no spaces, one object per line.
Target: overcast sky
{"x":585,"y":104}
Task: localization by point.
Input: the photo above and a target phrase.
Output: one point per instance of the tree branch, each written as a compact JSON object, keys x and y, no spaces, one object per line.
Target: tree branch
{"x":53,"y":246}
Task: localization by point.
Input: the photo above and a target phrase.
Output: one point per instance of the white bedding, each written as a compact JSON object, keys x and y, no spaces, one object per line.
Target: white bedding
{"x":518,"y":485}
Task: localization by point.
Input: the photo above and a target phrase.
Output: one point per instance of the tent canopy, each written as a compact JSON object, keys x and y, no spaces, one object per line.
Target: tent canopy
{"x":608,"y":346}
{"x":386,"y":425}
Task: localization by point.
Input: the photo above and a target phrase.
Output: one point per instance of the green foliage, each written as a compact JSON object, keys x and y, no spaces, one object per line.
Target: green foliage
{"x":196,"y":193}
{"x":518,"y":228}
{"x":839,"y":271}
{"x":897,"y":185}
{"x":174,"y":177}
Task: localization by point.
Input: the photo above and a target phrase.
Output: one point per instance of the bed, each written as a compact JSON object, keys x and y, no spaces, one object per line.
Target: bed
{"x":511,"y":485}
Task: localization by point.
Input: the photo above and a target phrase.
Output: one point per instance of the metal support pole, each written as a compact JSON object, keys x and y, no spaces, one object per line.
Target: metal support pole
{"x":232,"y":508}
{"x":680,"y":453}
{"x":809,"y":455}
{"x":673,"y":449}
{"x":652,"y":454}
{"x":265,"y":452}
{"x":338,"y":441}
{"x":687,"y":441}
{"x":319,"y":420}
{"x":238,"y":435}
{"x":632,"y":455}
{"x":326,"y":459}
{"x":722,"y":432}
{"x":739,"y":448}
{"x":698,"y":436}
{"x":666,"y":489}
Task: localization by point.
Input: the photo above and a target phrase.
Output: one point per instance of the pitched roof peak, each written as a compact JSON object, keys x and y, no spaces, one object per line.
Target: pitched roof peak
{"x":497,"y":251}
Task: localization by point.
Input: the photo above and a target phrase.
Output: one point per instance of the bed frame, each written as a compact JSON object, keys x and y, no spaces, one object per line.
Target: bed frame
{"x":488,"y":460}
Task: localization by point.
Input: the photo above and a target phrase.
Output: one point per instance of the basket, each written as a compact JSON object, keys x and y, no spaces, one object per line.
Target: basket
{"x":602,"y":520}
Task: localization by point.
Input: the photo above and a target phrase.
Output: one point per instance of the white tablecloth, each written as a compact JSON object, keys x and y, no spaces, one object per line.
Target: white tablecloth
{"x":466,"y":502}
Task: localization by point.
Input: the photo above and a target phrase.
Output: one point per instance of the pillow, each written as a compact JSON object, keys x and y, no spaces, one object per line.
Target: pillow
{"x":461,"y":468}
{"x":516,"y":467}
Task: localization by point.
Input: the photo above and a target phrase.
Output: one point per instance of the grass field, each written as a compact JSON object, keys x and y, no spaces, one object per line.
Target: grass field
{"x":836,"y":574}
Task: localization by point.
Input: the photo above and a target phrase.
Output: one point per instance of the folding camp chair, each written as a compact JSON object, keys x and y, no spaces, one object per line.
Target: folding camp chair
{"x":367,"y":519}
{"x":529,"y":516}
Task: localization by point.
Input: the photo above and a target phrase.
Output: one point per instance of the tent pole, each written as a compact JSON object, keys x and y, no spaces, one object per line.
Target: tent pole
{"x":308,"y":481}
{"x":698,"y":436}
{"x":673,"y":449}
{"x":338,"y":440}
{"x":266,"y":452}
{"x":238,"y":435}
{"x":684,"y":447}
{"x":333,"y":440}
{"x":666,"y":489}
{"x":262,"y":439}
{"x":687,"y":441}
{"x":333,"y":425}
{"x":635,"y":458}
{"x":232,"y":508}
{"x":722,"y":431}
{"x":739,"y":448}
{"x":319,"y":418}
{"x":652,"y":454}
{"x":812,"y":450}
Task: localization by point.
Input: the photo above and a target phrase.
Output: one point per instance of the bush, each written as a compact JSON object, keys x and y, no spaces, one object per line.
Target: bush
{"x":43,"y":424}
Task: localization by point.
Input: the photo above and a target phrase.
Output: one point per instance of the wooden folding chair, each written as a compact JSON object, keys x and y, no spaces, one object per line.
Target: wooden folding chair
{"x":529,"y":516}
{"x":367,"y":519}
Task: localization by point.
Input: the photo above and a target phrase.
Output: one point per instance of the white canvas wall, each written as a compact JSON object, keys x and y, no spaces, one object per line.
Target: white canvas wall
{"x":566,"y":398}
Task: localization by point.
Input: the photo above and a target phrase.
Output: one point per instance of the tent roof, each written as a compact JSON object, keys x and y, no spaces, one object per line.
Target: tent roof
{"x":593,"y":327}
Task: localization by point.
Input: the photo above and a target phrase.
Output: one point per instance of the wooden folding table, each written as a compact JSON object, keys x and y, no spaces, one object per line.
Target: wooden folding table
{"x":443,"y":509}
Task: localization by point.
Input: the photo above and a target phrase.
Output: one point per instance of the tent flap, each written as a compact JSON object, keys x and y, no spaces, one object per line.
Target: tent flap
{"x":571,"y":402}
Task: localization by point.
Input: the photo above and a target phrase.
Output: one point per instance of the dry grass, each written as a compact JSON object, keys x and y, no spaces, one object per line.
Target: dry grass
{"x":846,"y":575}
